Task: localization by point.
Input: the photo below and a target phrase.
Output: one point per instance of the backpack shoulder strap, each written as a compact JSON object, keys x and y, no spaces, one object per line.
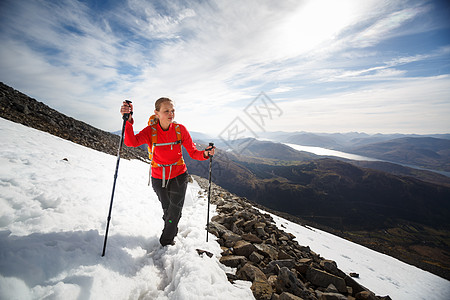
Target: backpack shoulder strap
{"x":178,"y":131}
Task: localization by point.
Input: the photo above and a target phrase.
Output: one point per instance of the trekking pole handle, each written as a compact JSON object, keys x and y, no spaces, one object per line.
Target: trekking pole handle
{"x":126,"y":116}
{"x":210,"y":147}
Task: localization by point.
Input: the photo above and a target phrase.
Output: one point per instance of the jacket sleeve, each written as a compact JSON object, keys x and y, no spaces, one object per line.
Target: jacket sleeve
{"x":135,"y":140}
{"x":189,"y":145}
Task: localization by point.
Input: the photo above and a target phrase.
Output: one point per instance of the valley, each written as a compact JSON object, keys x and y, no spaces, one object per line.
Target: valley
{"x":399,"y":215}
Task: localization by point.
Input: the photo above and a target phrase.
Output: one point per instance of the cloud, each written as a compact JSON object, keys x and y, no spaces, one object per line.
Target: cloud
{"x":396,"y":106}
{"x":386,"y":26}
{"x":209,"y":56}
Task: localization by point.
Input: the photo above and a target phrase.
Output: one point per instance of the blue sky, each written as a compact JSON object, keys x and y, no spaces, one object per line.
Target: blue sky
{"x":326,"y":65}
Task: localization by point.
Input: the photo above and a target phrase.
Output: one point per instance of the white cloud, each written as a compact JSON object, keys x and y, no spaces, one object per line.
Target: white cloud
{"x":385,"y":27}
{"x":210,"y":57}
{"x":388,"y":107}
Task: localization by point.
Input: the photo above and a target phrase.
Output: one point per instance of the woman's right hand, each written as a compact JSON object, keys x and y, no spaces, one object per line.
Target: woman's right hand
{"x":127,"y":108}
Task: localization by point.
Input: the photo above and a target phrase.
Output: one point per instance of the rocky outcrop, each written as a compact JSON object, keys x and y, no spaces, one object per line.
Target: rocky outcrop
{"x":20,"y":108}
{"x":278,"y":267}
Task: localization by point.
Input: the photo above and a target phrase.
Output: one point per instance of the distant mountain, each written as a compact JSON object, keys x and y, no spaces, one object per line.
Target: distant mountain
{"x":311,"y":139}
{"x":338,"y":141}
{"x":357,"y":203}
{"x":252,"y":148}
{"x":399,"y":170}
{"x":426,"y":152}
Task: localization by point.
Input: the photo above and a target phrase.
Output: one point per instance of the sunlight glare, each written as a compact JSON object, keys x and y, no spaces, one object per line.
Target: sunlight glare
{"x":312,"y":24}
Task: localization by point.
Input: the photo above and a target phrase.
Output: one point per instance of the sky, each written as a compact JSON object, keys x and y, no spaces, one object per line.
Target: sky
{"x":53,"y":215}
{"x":236,"y":67}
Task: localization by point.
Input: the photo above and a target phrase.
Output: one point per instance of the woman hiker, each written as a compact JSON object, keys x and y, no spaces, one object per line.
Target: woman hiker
{"x":169,"y":175}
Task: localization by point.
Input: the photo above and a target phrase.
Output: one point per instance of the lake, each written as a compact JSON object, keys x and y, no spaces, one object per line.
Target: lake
{"x":327,"y":152}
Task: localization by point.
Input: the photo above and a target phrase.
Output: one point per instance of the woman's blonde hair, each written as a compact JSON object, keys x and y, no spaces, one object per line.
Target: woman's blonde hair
{"x":160,"y":101}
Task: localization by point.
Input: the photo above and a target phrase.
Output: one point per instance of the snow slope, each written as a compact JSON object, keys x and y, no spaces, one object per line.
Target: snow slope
{"x":54,"y":200}
{"x":52,"y":222}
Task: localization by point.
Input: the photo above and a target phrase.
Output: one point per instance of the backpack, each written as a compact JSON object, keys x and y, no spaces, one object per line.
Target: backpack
{"x":153,"y":122}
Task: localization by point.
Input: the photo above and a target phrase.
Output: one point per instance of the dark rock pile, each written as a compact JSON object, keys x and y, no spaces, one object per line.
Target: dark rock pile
{"x":18,"y":107}
{"x":277,"y":266}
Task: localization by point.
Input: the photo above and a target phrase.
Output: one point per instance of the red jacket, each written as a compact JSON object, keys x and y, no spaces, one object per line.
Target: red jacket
{"x":164,"y":154}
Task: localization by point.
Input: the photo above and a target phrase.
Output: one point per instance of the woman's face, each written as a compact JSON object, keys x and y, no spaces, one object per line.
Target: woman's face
{"x":166,"y":113}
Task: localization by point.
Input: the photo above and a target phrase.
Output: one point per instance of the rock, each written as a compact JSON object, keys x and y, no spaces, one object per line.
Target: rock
{"x":306,"y":261}
{"x":275,"y":265}
{"x":260,"y":286}
{"x":275,"y":296}
{"x":288,"y":296}
{"x":287,"y":281}
{"x":231,"y":277}
{"x":226,"y":251}
{"x":230,"y":238}
{"x":217,"y":219}
{"x":267,"y":250}
{"x":332,"y":296}
{"x":331,"y":267}
{"x":250,"y":237}
{"x":248,"y":225}
{"x":283,"y":255}
{"x":323,"y":279}
{"x":233,"y":260}
{"x":201,"y":252}
{"x":217,"y":229}
{"x":354,"y":275}
{"x":356,"y":287}
{"x":256,"y":257}
{"x":365,"y":295}
{"x":259,"y":227}
{"x":244,"y":248}
{"x":331,"y":289}
{"x":229,"y":208}
{"x":272,"y":240}
{"x":272,"y":279}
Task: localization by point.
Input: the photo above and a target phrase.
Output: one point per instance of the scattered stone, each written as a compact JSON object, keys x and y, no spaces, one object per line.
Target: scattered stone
{"x":256,"y":257}
{"x":267,"y":250}
{"x":201,"y":252}
{"x":366,"y":295}
{"x":259,"y":227}
{"x":288,"y":296}
{"x":250,"y":237}
{"x":244,"y":248}
{"x":332,"y":296}
{"x":260,"y":286}
{"x":230,"y":238}
{"x":324,"y":279}
{"x":233,"y":260}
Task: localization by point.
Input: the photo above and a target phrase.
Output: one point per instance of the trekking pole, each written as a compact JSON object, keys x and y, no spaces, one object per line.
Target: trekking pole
{"x":125,"y":118}
{"x":211,"y":145}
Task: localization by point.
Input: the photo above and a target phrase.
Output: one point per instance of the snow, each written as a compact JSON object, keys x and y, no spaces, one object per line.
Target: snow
{"x":54,"y":200}
{"x":53,"y":218}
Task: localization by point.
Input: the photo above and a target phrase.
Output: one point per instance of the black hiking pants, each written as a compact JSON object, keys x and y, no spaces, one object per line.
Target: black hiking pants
{"x":172,"y":200}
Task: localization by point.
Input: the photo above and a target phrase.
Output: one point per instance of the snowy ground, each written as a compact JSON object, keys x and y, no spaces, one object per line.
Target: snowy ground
{"x":53,"y":218}
{"x":54,"y":200}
